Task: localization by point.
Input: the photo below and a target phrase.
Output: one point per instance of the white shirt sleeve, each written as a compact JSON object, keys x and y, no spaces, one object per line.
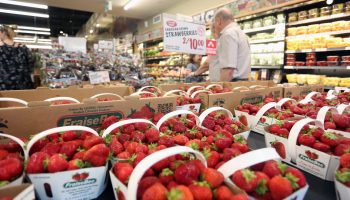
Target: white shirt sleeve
{"x":227,"y":52}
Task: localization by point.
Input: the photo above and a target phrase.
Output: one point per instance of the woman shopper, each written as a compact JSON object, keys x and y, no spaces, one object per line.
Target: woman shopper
{"x":16,"y":63}
{"x":193,"y":65}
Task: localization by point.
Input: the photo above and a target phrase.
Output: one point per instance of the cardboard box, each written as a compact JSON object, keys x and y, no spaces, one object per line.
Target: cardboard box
{"x":248,"y":84}
{"x":182,"y":86}
{"x":39,"y":116}
{"x":40,"y":94}
{"x":299,"y":91}
{"x":19,"y":192}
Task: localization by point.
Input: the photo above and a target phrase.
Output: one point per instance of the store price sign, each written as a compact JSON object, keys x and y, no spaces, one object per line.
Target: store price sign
{"x":99,"y":77}
{"x":183,"y":36}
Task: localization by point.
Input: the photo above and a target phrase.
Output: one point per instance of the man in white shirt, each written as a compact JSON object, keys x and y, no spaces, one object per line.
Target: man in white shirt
{"x":233,"y":50}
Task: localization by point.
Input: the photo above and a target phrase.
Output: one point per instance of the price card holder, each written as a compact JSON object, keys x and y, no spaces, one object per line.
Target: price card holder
{"x":99,"y":77}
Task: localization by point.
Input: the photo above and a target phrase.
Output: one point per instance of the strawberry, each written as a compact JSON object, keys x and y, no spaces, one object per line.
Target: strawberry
{"x":345,"y":160}
{"x":341,"y":121}
{"x":239,"y":197}
{"x":108,"y":121}
{"x":212,"y":177}
{"x":288,"y":125}
{"x":141,"y":126}
{"x":10,"y":169}
{"x":51,"y":148}
{"x":283,"y":132}
{"x":166,"y":176}
{"x":180,"y":192}
{"x":180,"y":140}
{"x":341,"y":149}
{"x":115,"y":146}
{"x":280,"y":149}
{"x":321,"y":147}
{"x":343,"y":176}
{"x":36,"y":163}
{"x":166,"y":141}
{"x":179,"y":127}
{"x":128,"y":129}
{"x":156,"y":192}
{"x":123,"y":138}
{"x":152,"y":135}
{"x":79,"y":155}
{"x":223,"y":143}
{"x":69,"y":136}
{"x":329,"y":125}
{"x":330,"y":138}
{"x":123,"y":171}
{"x":97,"y":155}
{"x":75,"y":164}
{"x":186,"y":173}
{"x":201,"y":191}
{"x":262,"y":181}
{"x":69,"y":148}
{"x":56,"y":163}
{"x":161,"y":164}
{"x":230,"y":153}
{"x":92,"y":141}
{"x":280,"y":187}
{"x":245,"y":179}
{"x":306,"y":139}
{"x":243,"y":120}
{"x":144,"y":184}
{"x":213,"y":157}
{"x":296,"y":178}
{"x":84,"y":135}
{"x":317,"y":133}
{"x":3,"y":154}
{"x":208,"y":123}
{"x":223,"y":193}
{"x":137,"y":136}
{"x":274,"y":168}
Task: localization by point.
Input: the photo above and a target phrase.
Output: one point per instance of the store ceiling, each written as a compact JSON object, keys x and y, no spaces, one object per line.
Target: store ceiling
{"x":142,"y":10}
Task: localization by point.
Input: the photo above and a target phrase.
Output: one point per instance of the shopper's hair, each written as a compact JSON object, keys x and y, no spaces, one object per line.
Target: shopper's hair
{"x":224,"y":14}
{"x":8,"y":30}
{"x":191,"y":58}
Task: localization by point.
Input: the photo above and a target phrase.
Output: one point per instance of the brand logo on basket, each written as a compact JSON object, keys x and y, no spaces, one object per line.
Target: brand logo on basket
{"x":79,"y":183}
{"x":171,"y":23}
{"x":252,"y":100}
{"x":309,"y":160}
{"x":91,"y":120}
{"x":219,"y":102}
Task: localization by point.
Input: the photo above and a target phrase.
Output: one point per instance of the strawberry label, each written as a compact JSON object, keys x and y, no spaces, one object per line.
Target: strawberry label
{"x":79,"y":183}
{"x":315,"y":162}
{"x":252,"y":100}
{"x":90,"y":120}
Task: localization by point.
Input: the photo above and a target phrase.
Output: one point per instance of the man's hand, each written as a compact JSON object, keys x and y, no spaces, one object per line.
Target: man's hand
{"x":226,"y":74}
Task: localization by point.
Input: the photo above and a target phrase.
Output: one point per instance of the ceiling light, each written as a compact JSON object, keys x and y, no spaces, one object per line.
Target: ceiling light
{"x":130,"y":4}
{"x":33,"y":28}
{"x":16,"y":12}
{"x":86,"y":36}
{"x":91,"y":31}
{"x":61,"y":32}
{"x":18,"y":3}
{"x":45,"y":40}
{"x":30,"y":46}
{"x":329,"y":2}
{"x":33,"y":32}
{"x":97,"y":25}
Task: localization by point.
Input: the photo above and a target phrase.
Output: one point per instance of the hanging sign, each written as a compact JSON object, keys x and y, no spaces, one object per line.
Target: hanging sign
{"x":183,"y":36}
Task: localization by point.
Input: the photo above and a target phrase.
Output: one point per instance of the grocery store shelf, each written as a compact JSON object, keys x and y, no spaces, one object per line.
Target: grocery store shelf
{"x":319,"y":19}
{"x":266,"y":28}
{"x":318,"y":50}
{"x":266,"y":67}
{"x":318,"y":34}
{"x":153,"y":47}
{"x":276,"y":52}
{"x":318,"y":67}
{"x":179,"y":65}
{"x":267,"y":40}
{"x":161,"y":57}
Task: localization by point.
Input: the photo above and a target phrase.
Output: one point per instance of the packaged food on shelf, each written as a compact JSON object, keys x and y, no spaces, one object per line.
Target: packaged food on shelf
{"x":325,"y":11}
{"x":302,"y":15}
{"x":345,"y":63}
{"x":322,"y":63}
{"x":337,"y":8}
{"x":347,"y":6}
{"x":281,"y":18}
{"x":269,"y":20}
{"x":257,"y":23}
{"x":302,"y":78}
{"x":247,"y":25}
{"x":326,"y":27}
{"x":332,"y":58}
{"x":292,"y":78}
{"x":293,"y":17}
{"x":313,"y":29}
{"x":290,"y":63}
{"x":302,"y":30}
{"x":332,"y":63}
{"x":313,"y":13}
{"x":314,"y":79}
{"x":311,"y":56}
{"x":299,"y":63}
{"x":339,"y":25}
{"x":331,"y":81}
{"x":345,"y":58}
{"x":292,"y":31}
{"x":344,"y":82}
{"x":310,"y":63}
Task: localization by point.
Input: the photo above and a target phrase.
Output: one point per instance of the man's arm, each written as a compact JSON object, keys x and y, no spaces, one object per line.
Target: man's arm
{"x":226,"y":74}
{"x":203,"y":68}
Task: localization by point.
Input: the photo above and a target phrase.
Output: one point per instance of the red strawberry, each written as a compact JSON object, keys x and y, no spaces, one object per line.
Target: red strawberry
{"x":208,"y":123}
{"x":262,"y":181}
{"x":213,"y":177}
{"x":201,"y":191}
{"x":280,"y":149}
{"x":69,"y":136}
{"x":56,"y":163}
{"x":92,"y":141}
{"x":137,"y":136}
{"x":51,"y":148}
{"x":274,"y":168}
{"x":161,"y":164}
{"x":223,"y":193}
{"x":245,"y":179}
{"x":156,"y":192}
{"x":296,"y":178}
{"x":321,"y":147}
{"x":115,"y":146}
{"x":75,"y":164}
{"x":330,"y":138}
{"x":85,"y":135}
{"x":123,"y":138}
{"x":311,"y":155}
{"x":283,"y":132}
{"x":223,"y":143}
{"x":243,"y":120}
{"x":84,"y":175}
{"x":306,"y":139}
{"x":10,"y":169}
{"x":79,"y":155}
{"x":166,"y":141}
{"x":180,"y":140}
{"x":3,"y":154}
{"x":36,"y":163}
{"x":70,"y":148}
{"x":152,"y":135}
{"x":141,"y":126}
{"x":341,"y":149}
{"x":280,"y":187}
{"x":180,"y":192}
{"x":341,"y":121}
{"x":213,"y":157}
{"x":345,"y":160}
{"x":288,"y":125}
{"x":317,"y":133}
{"x":329,"y":125}
{"x":97,"y":155}
{"x":166,"y":176}
{"x":123,"y":171}
{"x":145,"y":183}
{"x":230,"y":153}
{"x":186,"y":173}
{"x":109,"y":121}
{"x":128,"y":129}
{"x":239,"y":197}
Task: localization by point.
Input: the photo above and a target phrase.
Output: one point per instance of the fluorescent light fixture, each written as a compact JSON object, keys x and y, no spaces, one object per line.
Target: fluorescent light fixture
{"x":18,"y":3}
{"x":33,"y":32}
{"x":91,"y":31}
{"x":45,"y":40}
{"x":33,"y":46}
{"x":97,"y":25}
{"x":130,"y":4}
{"x":16,"y":12}
{"x":33,"y":28}
{"x":86,"y":36}
{"x":329,"y":2}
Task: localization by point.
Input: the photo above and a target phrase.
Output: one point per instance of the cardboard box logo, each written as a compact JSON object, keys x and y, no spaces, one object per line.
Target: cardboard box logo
{"x":312,"y":161}
{"x":90,"y":120}
{"x":252,"y":100}
{"x":220,"y":102}
{"x":79,"y":183}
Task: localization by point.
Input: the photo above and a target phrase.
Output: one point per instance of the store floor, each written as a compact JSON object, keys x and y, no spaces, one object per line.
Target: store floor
{"x":319,"y":189}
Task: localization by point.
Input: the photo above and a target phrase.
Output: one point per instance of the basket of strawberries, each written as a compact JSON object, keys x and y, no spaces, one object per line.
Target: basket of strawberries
{"x":107,"y":97}
{"x":342,"y":177}
{"x":14,"y":100}
{"x":62,"y":100}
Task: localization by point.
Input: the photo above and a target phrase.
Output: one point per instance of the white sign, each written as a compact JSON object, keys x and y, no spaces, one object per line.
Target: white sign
{"x":73,"y":44}
{"x":105,"y":44}
{"x":183,"y":36}
{"x":99,"y":77}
